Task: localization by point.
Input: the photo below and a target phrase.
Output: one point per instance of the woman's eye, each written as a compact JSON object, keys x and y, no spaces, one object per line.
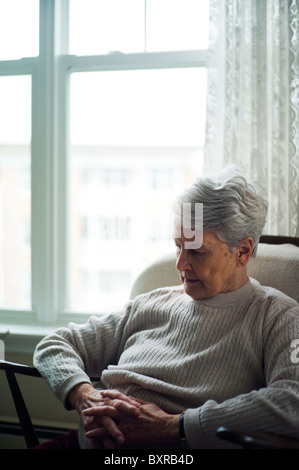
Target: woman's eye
{"x":198,"y":253}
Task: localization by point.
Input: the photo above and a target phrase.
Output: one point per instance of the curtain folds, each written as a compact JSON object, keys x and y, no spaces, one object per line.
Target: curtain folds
{"x":253,"y":100}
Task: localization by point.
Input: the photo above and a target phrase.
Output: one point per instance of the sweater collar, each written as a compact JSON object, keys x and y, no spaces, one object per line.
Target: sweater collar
{"x":235,"y":297}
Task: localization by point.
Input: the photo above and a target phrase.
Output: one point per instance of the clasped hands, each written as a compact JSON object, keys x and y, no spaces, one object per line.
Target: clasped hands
{"x":114,"y":420}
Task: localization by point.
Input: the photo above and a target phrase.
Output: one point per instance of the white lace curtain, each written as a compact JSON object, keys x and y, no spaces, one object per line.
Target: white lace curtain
{"x":253,"y":100}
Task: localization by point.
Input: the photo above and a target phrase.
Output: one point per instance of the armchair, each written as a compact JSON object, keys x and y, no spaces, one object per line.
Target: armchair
{"x":276,"y":265}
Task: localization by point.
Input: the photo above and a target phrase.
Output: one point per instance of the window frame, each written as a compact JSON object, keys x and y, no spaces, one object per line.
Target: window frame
{"x":50,"y":73}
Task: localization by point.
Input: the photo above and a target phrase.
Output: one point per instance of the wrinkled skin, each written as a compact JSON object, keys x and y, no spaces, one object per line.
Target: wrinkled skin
{"x":112,"y":420}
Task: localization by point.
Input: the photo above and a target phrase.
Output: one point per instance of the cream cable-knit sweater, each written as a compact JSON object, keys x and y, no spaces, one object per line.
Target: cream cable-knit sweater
{"x":226,"y":360}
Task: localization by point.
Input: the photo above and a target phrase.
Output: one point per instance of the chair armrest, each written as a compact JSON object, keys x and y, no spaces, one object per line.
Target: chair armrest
{"x":23,"y":369}
{"x":19,"y":368}
{"x":10,"y":369}
{"x":256,"y":440}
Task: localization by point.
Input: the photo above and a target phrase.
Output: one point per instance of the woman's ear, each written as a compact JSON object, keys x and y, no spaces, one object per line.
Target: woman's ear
{"x":244,"y":251}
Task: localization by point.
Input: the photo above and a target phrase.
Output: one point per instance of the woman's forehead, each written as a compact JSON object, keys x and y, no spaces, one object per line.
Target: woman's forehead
{"x":209,"y":240}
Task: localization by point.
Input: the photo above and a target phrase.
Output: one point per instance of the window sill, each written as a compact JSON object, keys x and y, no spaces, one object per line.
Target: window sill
{"x":22,"y":339}
{"x":21,"y":332}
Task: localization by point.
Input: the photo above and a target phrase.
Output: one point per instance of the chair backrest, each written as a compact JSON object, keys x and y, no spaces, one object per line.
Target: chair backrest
{"x":276,"y":265}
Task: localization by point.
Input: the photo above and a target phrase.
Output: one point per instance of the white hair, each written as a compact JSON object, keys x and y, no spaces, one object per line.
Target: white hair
{"x":232,"y":207}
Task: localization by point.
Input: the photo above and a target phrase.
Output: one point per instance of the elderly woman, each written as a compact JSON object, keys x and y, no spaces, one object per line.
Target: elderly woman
{"x":178,"y":362}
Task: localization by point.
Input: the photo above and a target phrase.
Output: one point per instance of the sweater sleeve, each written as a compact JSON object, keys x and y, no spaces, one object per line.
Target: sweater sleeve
{"x":271,"y":409}
{"x":71,"y":355}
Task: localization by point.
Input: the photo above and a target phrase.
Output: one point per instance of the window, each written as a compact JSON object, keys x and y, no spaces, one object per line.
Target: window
{"x":19,"y":38}
{"x":15,"y":206}
{"x":105,"y":26}
{"x":102,"y":123}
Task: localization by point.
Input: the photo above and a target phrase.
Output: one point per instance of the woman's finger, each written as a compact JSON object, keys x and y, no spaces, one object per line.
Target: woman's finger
{"x":116,"y":394}
{"x":101,"y":411}
{"x":100,"y":434}
{"x":105,"y":426}
{"x":112,"y":428}
{"x":112,"y":408}
{"x":125,"y":407}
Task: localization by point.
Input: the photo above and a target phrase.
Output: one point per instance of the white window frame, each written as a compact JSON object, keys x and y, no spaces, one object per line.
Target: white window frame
{"x":49,"y":164}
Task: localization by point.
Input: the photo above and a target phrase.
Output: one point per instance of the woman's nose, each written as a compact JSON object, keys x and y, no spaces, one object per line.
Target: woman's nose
{"x":183,"y":261}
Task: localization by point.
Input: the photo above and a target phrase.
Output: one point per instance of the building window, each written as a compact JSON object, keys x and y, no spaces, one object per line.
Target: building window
{"x":114,"y":177}
{"x":114,"y":228}
{"x":162,"y":178}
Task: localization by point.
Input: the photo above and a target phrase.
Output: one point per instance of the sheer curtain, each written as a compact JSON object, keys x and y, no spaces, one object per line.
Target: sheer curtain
{"x":253,"y":100}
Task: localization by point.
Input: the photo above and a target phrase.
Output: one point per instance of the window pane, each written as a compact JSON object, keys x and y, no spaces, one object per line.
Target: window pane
{"x":102,"y":26}
{"x":173,"y":25}
{"x":135,"y":143}
{"x":19,"y":29}
{"x":140,"y":107}
{"x":15,"y":193}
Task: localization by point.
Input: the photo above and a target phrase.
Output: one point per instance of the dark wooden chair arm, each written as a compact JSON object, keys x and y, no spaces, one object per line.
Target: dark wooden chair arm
{"x":279,"y":239}
{"x":19,"y":368}
{"x":257,"y":440}
{"x":11,"y":369}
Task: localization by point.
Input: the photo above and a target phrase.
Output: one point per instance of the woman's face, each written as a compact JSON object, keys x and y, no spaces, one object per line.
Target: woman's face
{"x":212,"y":268}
